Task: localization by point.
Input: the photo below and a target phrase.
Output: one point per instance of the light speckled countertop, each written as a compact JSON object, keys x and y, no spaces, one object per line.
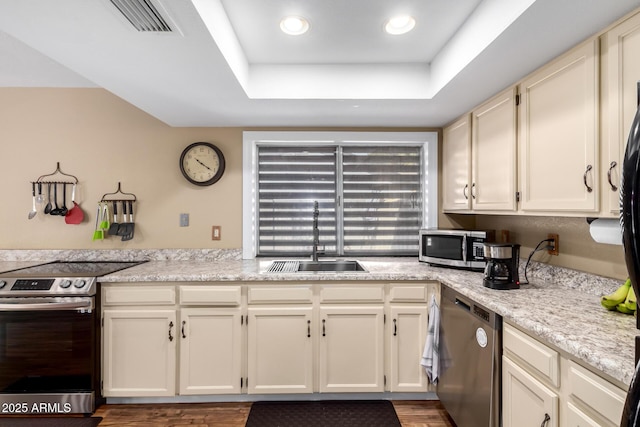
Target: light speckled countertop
{"x":560,"y":307}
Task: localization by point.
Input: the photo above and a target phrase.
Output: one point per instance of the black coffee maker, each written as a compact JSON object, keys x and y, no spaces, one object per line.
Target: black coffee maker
{"x":501,"y":271}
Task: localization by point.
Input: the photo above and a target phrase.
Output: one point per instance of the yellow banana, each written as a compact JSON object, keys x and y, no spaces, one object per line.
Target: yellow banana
{"x":622,"y":308}
{"x":611,"y":300}
{"x":630,"y":302}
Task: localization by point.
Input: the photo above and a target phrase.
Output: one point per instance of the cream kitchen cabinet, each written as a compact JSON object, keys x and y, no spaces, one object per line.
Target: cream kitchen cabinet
{"x":456,"y":165}
{"x":539,"y":381}
{"x":620,"y":74}
{"x":558,"y":123}
{"x":280,"y":340}
{"x":139,"y":341}
{"x":406,"y":333}
{"x":493,"y":154}
{"x":479,"y":158}
{"x":351,"y":338}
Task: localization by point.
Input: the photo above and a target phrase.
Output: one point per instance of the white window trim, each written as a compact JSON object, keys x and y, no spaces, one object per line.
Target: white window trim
{"x":251,"y":140}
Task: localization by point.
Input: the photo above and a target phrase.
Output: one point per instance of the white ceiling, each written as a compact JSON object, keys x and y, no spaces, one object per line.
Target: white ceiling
{"x":227,"y":64}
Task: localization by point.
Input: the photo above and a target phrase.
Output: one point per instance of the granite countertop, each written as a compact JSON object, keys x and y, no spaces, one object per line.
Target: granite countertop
{"x":560,"y":307}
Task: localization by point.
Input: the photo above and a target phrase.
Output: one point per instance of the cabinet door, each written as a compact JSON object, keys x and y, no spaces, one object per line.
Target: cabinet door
{"x":280,"y":350}
{"x":456,"y":166}
{"x":139,"y":352}
{"x":493,"y":153}
{"x":210,"y":350}
{"x":351,"y":349}
{"x":526,"y":402}
{"x":558,"y":148}
{"x":407,"y":332}
{"x":622,"y":71}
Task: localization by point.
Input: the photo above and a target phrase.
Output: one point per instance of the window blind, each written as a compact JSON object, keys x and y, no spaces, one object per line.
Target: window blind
{"x":290,"y":179}
{"x":382,"y":196}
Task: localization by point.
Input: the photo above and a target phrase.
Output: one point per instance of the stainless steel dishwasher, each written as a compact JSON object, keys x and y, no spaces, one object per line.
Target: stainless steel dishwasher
{"x":470,"y":360}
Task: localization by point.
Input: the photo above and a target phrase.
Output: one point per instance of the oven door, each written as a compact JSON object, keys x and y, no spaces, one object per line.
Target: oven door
{"x":47,"y":355}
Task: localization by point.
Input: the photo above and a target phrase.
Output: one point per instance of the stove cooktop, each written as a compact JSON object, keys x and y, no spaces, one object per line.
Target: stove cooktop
{"x":59,"y":278}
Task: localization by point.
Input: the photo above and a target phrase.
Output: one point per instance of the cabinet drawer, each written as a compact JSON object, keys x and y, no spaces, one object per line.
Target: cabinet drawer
{"x":329,"y":294}
{"x":139,"y":295}
{"x":408,"y":294}
{"x":280,"y":294}
{"x":596,"y":392}
{"x":544,"y":360}
{"x":210,"y":295}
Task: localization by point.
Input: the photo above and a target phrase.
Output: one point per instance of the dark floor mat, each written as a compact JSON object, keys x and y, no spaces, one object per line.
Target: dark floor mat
{"x":332,"y":413}
{"x":50,"y":422}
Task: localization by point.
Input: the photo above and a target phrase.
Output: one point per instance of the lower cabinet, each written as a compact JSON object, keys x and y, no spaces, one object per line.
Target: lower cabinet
{"x":280,"y":356}
{"x":205,"y":339}
{"x":541,"y":387}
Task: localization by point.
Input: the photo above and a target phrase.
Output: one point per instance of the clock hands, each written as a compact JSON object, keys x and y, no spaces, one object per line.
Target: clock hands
{"x":198,"y":160}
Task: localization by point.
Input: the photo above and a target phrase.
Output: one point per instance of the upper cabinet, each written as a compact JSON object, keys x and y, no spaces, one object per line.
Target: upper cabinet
{"x":456,"y":165}
{"x":479,"y":158}
{"x":558,"y":139}
{"x":493,"y":154}
{"x":620,"y":75}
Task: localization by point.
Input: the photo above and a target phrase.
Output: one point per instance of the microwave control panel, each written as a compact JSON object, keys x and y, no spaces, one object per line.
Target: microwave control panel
{"x":477,"y":248}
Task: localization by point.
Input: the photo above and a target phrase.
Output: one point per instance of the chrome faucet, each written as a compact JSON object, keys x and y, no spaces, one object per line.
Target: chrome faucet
{"x":316,"y":233}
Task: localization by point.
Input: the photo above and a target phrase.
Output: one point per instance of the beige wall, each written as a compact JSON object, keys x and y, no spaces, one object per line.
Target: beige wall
{"x":103,"y":140}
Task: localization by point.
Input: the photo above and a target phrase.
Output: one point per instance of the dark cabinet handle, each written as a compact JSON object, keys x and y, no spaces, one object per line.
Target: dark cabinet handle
{"x":308,"y":328}
{"x":395,"y":328}
{"x":323,"y":328}
{"x":464,"y":191}
{"x":546,"y":420}
{"x":584,"y":178}
{"x":611,"y":166}
{"x":473,"y":193}
{"x":170,"y":328}
{"x":184,"y":322}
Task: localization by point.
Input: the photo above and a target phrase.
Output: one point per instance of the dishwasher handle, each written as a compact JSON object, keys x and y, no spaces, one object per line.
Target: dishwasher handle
{"x":463,"y":304}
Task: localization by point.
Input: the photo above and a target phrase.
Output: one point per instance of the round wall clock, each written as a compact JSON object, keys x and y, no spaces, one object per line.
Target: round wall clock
{"x":202,"y":163}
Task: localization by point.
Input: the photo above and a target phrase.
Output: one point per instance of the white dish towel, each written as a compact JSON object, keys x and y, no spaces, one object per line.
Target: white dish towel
{"x":431,"y":355}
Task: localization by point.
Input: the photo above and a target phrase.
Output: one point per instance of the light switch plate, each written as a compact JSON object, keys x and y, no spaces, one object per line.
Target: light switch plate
{"x":184,"y":220}
{"x":216,"y":232}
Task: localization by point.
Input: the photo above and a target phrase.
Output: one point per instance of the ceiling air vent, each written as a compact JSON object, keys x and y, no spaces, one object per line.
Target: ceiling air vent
{"x":142,"y":14}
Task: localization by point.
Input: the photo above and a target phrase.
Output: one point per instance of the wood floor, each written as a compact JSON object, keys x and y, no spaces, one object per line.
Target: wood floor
{"x":427,"y":413}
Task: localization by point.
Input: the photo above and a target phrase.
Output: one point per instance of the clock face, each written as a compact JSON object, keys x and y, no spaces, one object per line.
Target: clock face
{"x":202,"y":163}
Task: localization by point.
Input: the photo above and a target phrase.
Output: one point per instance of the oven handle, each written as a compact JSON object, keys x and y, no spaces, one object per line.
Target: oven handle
{"x":54,"y":305}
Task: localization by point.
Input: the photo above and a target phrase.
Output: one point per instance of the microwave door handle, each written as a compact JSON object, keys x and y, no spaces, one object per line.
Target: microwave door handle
{"x":77,"y":305}
{"x":464,"y":248}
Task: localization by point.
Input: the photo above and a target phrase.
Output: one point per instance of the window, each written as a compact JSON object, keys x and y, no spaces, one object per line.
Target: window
{"x":374,"y":192}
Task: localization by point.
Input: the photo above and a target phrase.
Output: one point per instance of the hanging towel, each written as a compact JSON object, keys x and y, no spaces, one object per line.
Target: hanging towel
{"x":431,"y":355}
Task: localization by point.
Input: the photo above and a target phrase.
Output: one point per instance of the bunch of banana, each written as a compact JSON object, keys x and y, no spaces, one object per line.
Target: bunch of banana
{"x":623,"y":299}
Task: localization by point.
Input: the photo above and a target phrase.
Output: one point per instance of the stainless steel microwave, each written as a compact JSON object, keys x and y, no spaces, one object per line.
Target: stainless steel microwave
{"x":454,"y":248}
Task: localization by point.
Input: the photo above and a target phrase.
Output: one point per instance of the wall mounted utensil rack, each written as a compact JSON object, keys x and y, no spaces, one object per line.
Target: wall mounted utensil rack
{"x":118,"y":196}
{"x":52,"y":181}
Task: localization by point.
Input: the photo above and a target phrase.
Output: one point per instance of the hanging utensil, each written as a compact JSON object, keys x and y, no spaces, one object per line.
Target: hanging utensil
{"x":75,"y":214}
{"x":122,"y":228}
{"x":47,"y":208}
{"x":113,"y":229}
{"x":98,"y":234}
{"x":39,"y":198}
{"x":33,"y":211}
{"x":63,"y":209}
{"x":56,"y":210}
{"x":130,"y":224}
{"x":104,"y":223}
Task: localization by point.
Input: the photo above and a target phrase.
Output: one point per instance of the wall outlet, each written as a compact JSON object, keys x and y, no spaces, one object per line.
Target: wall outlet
{"x":554,"y":244}
{"x":184,"y":220}
{"x":216,"y":232}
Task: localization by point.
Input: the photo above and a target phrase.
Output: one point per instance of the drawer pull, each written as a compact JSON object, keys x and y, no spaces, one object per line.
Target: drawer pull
{"x":395,"y":328}
{"x":323,"y":328}
{"x":308,"y":328}
{"x":170,"y":328}
{"x":184,"y":322}
{"x":611,"y":166}
{"x":584,"y":178}
{"x":473,"y":191}
{"x":464,"y":191}
{"x":546,"y":420}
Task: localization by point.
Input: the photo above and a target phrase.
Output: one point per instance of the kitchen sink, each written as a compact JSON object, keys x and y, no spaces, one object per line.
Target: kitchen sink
{"x":325,"y":266}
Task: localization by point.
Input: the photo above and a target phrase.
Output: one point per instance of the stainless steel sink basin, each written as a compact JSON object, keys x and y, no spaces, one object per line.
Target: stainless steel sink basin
{"x":326,"y":266}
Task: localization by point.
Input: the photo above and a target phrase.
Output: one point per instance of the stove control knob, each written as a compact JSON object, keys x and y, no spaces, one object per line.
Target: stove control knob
{"x":65,"y":283}
{"x":3,"y":283}
{"x":80,"y":283}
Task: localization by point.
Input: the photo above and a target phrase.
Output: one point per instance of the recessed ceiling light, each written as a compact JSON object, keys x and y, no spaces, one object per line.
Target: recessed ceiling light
{"x":400,"y":24}
{"x":294,"y":25}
